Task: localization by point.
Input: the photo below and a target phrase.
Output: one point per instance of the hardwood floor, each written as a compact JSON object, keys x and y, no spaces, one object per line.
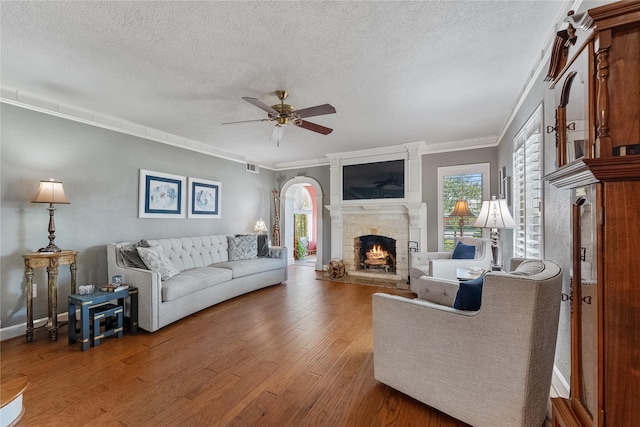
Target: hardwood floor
{"x":299,"y":354}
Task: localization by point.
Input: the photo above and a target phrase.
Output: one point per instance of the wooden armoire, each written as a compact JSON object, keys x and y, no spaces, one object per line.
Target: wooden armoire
{"x":598,"y":160}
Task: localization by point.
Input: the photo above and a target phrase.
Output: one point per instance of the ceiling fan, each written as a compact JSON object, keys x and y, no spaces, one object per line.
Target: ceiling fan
{"x":284,"y":114}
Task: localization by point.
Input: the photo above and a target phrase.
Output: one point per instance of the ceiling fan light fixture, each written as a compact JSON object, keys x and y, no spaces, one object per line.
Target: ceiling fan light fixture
{"x":276,"y":135}
{"x":283,"y":114}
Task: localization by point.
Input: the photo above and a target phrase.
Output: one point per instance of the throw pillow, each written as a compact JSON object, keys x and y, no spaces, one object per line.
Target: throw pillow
{"x":263,"y":245}
{"x":463,"y":251}
{"x":156,"y":260}
{"x":469,"y":295}
{"x":243,"y":247}
{"x":130,"y":256}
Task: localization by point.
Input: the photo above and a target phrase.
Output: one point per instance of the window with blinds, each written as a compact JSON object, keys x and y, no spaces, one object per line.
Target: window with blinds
{"x":527,"y":189}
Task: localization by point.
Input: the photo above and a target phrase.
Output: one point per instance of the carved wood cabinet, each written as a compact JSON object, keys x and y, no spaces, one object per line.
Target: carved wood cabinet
{"x":604,"y":181}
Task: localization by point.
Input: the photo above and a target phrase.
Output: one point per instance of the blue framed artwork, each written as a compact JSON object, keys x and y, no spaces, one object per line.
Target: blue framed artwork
{"x":161,"y":195}
{"x":204,"y":198}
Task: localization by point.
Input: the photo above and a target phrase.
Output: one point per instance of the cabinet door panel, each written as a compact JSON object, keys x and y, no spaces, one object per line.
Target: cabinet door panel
{"x":622,"y":302}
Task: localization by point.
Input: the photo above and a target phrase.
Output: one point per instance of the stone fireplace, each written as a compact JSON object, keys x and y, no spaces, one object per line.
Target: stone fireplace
{"x":394,"y":222}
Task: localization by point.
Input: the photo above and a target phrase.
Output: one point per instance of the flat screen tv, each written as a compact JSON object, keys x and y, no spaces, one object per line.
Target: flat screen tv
{"x":379,"y":180}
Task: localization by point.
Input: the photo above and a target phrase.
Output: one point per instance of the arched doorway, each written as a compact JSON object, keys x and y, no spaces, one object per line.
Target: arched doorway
{"x":288,"y":208}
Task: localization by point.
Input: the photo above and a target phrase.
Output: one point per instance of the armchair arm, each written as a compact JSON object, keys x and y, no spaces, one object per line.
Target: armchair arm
{"x":446,"y":268}
{"x":421,"y":258}
{"x":149,"y":288}
{"x":515,"y":262}
{"x":280,"y":252}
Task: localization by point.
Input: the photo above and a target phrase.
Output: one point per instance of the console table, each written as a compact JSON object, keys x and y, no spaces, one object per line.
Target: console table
{"x":51,"y":261}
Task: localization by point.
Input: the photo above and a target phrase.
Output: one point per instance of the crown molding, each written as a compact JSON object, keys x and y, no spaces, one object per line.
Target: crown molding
{"x":540,"y":64}
{"x":43,"y":105}
{"x":465,"y":144}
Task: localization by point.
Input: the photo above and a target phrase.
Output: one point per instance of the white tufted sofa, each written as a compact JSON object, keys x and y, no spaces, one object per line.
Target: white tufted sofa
{"x":206,"y":277}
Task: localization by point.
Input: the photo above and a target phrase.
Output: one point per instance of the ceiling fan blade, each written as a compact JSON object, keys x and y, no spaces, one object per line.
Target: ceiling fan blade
{"x":318,"y":110}
{"x":277,"y":133}
{"x":261,"y":105}
{"x":247,"y":121}
{"x":314,"y":127}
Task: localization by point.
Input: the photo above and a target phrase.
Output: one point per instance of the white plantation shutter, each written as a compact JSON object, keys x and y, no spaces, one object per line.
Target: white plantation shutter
{"x":527,"y":189}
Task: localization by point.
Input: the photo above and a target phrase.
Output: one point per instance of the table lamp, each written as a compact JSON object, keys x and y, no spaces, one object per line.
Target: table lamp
{"x":494,"y":214}
{"x":461,"y":209}
{"x":260,"y":227}
{"x":51,"y":192}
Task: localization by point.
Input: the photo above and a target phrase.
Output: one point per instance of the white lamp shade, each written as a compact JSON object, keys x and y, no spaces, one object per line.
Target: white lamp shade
{"x":50,"y":192}
{"x":260,"y":227}
{"x":494,"y":214}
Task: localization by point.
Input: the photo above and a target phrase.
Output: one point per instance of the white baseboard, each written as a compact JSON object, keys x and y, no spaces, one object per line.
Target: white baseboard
{"x":21,"y":329}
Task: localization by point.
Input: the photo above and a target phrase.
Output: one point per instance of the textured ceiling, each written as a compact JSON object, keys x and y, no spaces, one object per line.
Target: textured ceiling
{"x":396,"y":72}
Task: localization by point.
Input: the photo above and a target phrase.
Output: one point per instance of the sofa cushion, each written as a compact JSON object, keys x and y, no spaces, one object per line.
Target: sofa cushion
{"x":469,"y":295}
{"x":243,"y":247}
{"x":463,"y":251}
{"x":420,"y":270}
{"x":193,"y":280}
{"x":247,"y":267}
{"x":156,"y":260}
{"x":439,"y":291}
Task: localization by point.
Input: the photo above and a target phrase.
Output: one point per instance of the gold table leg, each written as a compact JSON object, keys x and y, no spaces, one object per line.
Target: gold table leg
{"x":52,"y":277}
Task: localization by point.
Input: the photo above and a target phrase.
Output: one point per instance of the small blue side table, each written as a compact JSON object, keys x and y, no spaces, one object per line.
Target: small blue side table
{"x":86,"y":302}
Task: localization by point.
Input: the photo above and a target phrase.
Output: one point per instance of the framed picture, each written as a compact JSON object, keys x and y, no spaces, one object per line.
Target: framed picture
{"x":161,"y":195}
{"x":204,"y":198}
{"x":504,"y":185}
{"x":507,"y":189}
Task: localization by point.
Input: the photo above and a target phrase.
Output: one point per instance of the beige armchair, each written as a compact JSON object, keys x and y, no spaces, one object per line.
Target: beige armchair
{"x":440,"y":264}
{"x":490,"y":367}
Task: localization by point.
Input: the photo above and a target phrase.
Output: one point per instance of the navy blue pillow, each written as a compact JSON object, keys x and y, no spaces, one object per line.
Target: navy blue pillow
{"x":469,"y":294}
{"x":463,"y":251}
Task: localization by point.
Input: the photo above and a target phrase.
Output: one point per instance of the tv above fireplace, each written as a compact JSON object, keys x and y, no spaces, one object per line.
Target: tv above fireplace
{"x":379,"y":180}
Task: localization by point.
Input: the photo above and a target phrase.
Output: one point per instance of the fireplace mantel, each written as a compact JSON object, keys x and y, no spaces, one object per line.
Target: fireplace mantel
{"x":405,"y":220}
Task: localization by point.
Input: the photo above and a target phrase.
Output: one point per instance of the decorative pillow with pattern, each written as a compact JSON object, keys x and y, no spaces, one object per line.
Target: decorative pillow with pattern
{"x":156,"y":260}
{"x":130,"y":256}
{"x":243,"y":247}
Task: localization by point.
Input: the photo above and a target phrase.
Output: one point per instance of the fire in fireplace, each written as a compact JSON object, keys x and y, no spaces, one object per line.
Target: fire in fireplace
{"x":375,"y":252}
